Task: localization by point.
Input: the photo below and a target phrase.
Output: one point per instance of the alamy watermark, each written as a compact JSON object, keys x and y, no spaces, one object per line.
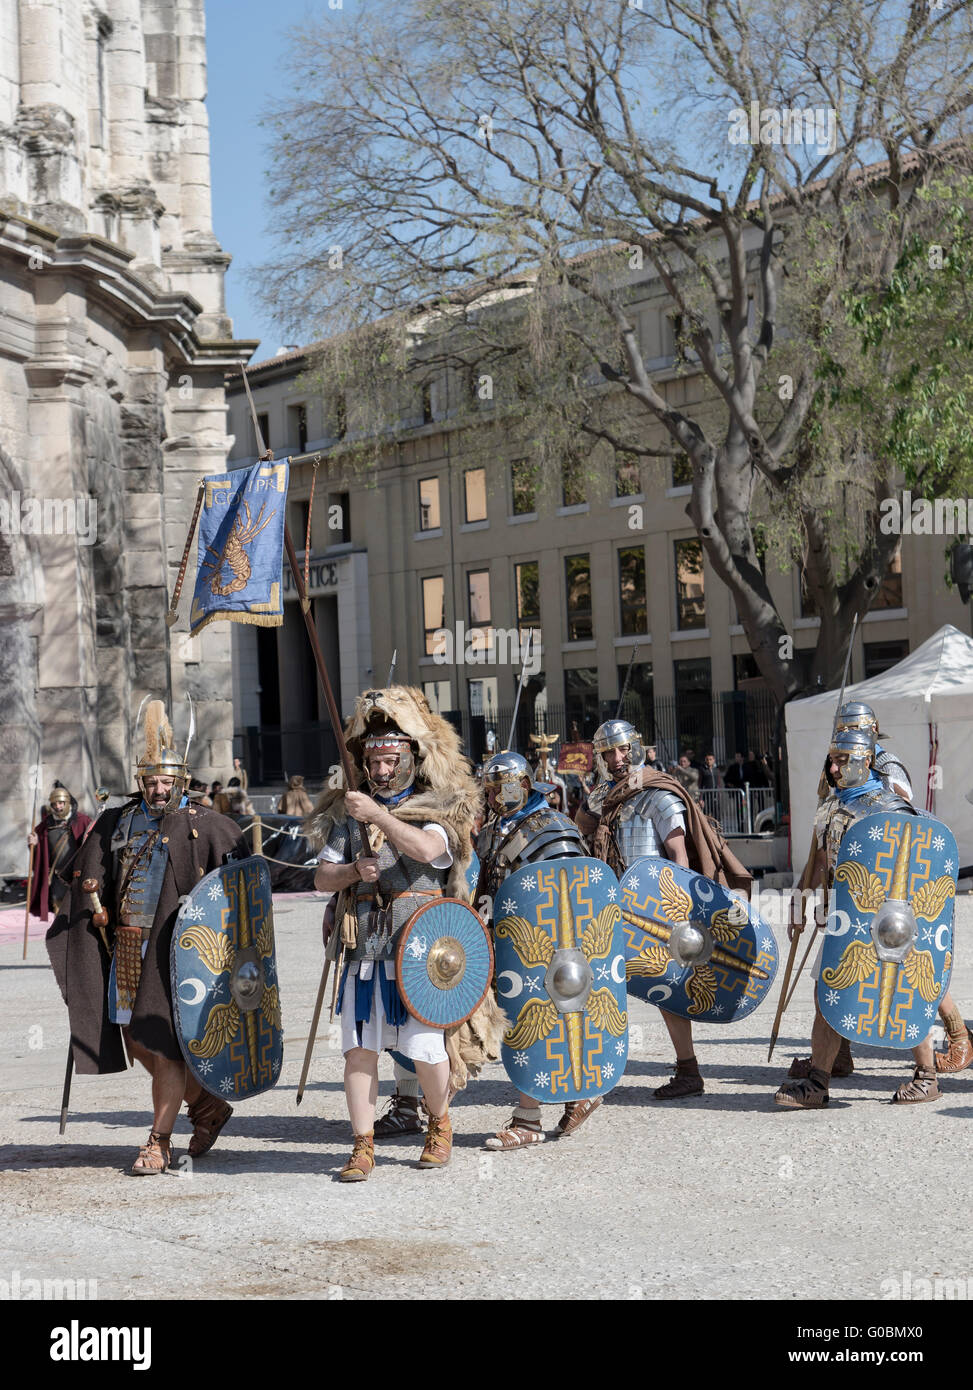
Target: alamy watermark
{"x":920,"y":516}
{"x":49,"y":516}
{"x":923,"y":1289}
{"x":17,"y":1289}
{"x":784,"y":125}
{"x":486,"y":646}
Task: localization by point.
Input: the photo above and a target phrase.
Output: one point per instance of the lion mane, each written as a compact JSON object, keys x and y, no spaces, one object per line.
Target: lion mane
{"x":445,"y":791}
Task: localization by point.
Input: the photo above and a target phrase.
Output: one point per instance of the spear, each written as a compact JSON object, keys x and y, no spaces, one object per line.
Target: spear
{"x":628,"y":677}
{"x":391,"y":668}
{"x":30,"y":863}
{"x":785,"y":995}
{"x":520,"y":687}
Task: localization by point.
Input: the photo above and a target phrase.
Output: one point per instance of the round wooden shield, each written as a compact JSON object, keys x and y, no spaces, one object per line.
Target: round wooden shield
{"x":443,"y":963}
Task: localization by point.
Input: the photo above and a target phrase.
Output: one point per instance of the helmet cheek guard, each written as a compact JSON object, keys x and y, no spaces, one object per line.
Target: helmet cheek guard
{"x":404,"y":773}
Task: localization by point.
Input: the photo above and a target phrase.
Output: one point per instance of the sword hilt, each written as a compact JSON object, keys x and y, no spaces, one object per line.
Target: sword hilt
{"x":99,"y":916}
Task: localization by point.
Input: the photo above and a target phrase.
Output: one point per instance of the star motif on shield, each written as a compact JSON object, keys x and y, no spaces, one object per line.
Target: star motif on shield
{"x":948,"y":866}
{"x":205,"y":1067}
{"x":531,"y":982}
{"x":875,"y":833}
{"x":717,"y":1010}
{"x":913,"y":1030}
{"x":860,"y":926}
{"x":612,"y":894}
{"x":604,"y":972}
{"x":215,"y":891}
{"x":520,"y":1059}
{"x":597,"y":875}
{"x":929,"y":1011}
{"x":832,"y":997}
{"x":854,"y":849}
{"x":633,"y":883}
{"x":530,"y":883}
{"x":766,"y":944}
{"x":927,"y":935}
{"x":508,"y":905}
{"x":608,"y":1070}
{"x":848,"y":1021}
{"x":619,"y":1048}
{"x":938,"y":842}
{"x":542,"y":1079}
{"x":195,"y":912}
{"x":653,"y":871}
{"x":226,"y":1085}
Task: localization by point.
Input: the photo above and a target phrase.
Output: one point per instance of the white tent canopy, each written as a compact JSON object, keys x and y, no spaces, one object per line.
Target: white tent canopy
{"x":929,"y":692}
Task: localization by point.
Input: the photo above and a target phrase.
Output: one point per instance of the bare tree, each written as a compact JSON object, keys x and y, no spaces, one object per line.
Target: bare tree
{"x":477,"y":164}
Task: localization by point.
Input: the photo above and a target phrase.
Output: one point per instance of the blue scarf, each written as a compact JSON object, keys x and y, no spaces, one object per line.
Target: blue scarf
{"x":534,"y":802}
{"x":394,"y":799}
{"x":846,"y":795}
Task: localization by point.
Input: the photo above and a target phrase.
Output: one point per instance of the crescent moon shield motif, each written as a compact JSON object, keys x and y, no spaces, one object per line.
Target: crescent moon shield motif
{"x":663,"y":991}
{"x":618,"y":970}
{"x":942,"y":945}
{"x":705,"y":896}
{"x":516,"y":988}
{"x":199,"y":993}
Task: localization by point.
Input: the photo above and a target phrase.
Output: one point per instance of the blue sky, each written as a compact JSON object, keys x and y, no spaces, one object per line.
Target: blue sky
{"x":246,"y":43}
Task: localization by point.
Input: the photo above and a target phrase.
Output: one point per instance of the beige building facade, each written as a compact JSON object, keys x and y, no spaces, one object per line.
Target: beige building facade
{"x":445,"y":541}
{"x":114,"y":345}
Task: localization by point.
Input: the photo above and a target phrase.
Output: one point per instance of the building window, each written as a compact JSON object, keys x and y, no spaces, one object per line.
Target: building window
{"x":637,"y":707}
{"x":300,"y":516}
{"x":628,"y":478}
{"x":336,"y":416}
{"x":433,"y":610}
{"x":879,"y":656}
{"x":439,"y":694}
{"x":572,"y":482}
{"x":523,"y":481}
{"x":808,"y":609}
{"x":429,"y":518}
{"x":577,"y":588}
{"x":890,"y":590}
{"x":478,"y":594}
{"x":682,"y":471}
{"x":692,"y":680}
{"x":426,"y":400}
{"x":264,"y":422}
{"x":339,"y":518}
{"x":297,"y":427}
{"x":483,"y":698}
{"x":527,"y":586}
{"x":690,"y":602}
{"x":475,"y":490}
{"x":581,"y":701}
{"x":631,"y":591}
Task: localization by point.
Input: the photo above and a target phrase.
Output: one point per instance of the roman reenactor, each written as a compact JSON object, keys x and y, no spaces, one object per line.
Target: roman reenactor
{"x":524,"y":829}
{"x":634,"y":811}
{"x":857,"y":791}
{"x":892,"y":772}
{"x":57,"y":837}
{"x":110,"y":946}
{"x":420,"y":807}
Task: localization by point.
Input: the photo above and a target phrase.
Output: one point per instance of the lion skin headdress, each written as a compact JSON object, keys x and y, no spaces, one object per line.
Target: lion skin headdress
{"x":445,"y":791}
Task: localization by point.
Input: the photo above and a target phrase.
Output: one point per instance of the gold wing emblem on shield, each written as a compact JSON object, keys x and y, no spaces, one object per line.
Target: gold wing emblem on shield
{"x":728,"y":923}
{"x":932,"y":897}
{"x":221,"y":1028}
{"x":859,"y":961}
{"x":701,"y":988}
{"x":651,"y":960}
{"x":531,"y":943}
{"x":535,"y":1021}
{"x":919,"y":969}
{"x":215,"y":949}
{"x":605,"y":1014}
{"x":676,"y":903}
{"x":866,"y":889}
{"x":596,"y":939}
{"x":270,"y":1006}
{"x":265,"y":937}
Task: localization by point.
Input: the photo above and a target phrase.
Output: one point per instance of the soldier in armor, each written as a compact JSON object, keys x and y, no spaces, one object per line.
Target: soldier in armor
{"x":857,"y":792}
{"x":143,"y":858}
{"x":57,"y":837}
{"x":419,"y":808}
{"x":635,"y":811}
{"x":523,"y":829}
{"x":893,"y":773}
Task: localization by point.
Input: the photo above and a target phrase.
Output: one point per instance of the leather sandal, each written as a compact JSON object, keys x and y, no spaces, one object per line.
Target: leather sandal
{"x":958,"y":1055}
{"x":575,"y":1114}
{"x":362,"y":1160}
{"x":684,"y":1083}
{"x":439,"y":1142}
{"x":517,"y":1135}
{"x":844,"y":1064}
{"x":402,"y":1117}
{"x":811,"y":1093}
{"x":208,"y":1115}
{"x":154,"y":1157}
{"x":923,"y":1086}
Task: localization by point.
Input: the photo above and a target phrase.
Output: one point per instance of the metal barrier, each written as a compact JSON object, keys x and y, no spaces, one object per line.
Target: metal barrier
{"x":737,"y":808}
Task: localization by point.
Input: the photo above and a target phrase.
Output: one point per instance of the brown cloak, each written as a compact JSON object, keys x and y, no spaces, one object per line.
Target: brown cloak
{"x":199,"y":841}
{"x":706,"y":848}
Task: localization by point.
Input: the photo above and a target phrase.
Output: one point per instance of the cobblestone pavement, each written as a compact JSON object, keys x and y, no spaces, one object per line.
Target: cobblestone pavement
{"x":722,"y":1196}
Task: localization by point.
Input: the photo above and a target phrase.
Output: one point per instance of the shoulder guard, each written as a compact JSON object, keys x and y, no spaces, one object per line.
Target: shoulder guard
{"x":660,"y":805}
{"x":545,"y":834}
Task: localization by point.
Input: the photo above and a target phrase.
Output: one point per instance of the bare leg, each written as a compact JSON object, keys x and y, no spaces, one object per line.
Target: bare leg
{"x":824,"y":1040}
{"x":361,"y":1088}
{"x":434,"y":1080}
{"x":680,"y":1034}
{"x":168,"y":1086}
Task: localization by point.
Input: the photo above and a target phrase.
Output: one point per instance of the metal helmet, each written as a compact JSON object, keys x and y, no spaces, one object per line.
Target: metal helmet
{"x":617,"y":733}
{"x":505,"y":774}
{"x":390,"y":742}
{"x":160,"y":758}
{"x":854,"y":750}
{"x":855,"y":715}
{"x":60,"y":801}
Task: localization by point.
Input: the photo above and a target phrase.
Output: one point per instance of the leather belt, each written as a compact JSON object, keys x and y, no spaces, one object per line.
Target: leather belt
{"x":406,"y":893}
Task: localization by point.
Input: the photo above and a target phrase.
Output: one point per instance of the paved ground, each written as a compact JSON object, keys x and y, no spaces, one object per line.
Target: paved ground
{"x":724,"y":1196}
